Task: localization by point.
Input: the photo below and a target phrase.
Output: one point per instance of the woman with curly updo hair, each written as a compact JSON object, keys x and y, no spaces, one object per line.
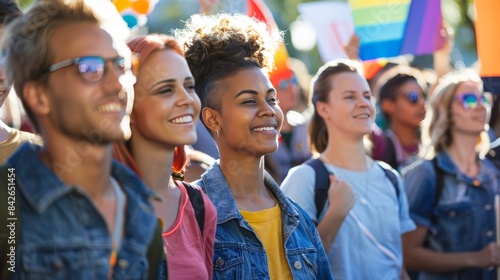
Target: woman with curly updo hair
{"x":261,"y":234}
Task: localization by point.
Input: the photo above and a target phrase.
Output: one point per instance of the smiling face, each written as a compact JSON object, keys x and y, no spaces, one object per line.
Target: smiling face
{"x":166,"y":106}
{"x":249,"y":119}
{"x":4,"y":89}
{"x":78,"y":108}
{"x":349,"y":108}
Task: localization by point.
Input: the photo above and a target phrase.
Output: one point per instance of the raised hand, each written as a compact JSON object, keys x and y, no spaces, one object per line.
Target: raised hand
{"x":340,"y":196}
{"x":352,"y":47}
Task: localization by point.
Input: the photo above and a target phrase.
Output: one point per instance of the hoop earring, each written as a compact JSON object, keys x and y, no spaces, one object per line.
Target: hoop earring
{"x":217,"y":132}
{"x":178,"y":176}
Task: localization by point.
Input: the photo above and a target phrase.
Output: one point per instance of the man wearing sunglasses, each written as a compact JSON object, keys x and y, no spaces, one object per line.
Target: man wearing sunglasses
{"x":402,"y":101}
{"x":82,"y":216}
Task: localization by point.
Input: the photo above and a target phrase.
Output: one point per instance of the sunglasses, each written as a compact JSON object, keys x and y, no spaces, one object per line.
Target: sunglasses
{"x":471,"y":100}
{"x":284,"y":84}
{"x":413,"y":96}
{"x":90,"y":68}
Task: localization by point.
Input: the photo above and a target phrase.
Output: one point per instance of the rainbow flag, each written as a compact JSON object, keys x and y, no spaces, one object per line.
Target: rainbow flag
{"x":259,"y":10}
{"x":487,"y":22}
{"x":389,"y":28}
{"x":422,"y":35}
{"x":380,"y":24}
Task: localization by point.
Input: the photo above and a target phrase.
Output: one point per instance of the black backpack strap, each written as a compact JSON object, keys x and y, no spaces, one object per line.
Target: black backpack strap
{"x":9,"y":212}
{"x":156,"y":255}
{"x":390,"y":152}
{"x":321,"y":185}
{"x":439,"y":186}
{"x":196,"y":199}
{"x":389,"y":174}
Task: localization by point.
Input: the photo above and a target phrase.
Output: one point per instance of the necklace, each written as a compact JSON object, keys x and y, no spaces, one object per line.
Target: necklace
{"x":116,"y":235}
{"x":172,"y":250}
{"x":342,"y":176}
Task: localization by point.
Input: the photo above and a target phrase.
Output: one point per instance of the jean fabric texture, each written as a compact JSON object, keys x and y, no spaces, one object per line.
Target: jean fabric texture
{"x":463,"y":219}
{"x":238,"y":253}
{"x":64,"y":236}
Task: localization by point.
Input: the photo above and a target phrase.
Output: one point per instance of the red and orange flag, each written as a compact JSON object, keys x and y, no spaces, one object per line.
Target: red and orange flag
{"x":259,"y":10}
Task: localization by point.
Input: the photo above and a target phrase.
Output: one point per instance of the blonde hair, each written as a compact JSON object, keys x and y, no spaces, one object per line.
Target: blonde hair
{"x":438,"y":123}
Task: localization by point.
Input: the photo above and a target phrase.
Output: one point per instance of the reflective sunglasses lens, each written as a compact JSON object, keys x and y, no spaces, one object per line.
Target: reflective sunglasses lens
{"x":91,"y":68}
{"x":485,"y":100}
{"x":469,"y":101}
{"x":120,"y":62}
{"x":283,"y":84}
{"x":413,"y":97}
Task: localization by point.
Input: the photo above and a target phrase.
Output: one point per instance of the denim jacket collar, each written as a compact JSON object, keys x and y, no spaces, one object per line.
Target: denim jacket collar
{"x":446,"y":164}
{"x":217,"y":189}
{"x":41,"y":186}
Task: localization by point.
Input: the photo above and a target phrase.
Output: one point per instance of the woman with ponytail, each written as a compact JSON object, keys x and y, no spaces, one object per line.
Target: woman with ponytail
{"x":163,"y":120}
{"x":362,"y":218}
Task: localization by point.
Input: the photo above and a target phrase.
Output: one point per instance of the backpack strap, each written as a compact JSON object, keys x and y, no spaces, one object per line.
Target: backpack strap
{"x":439,"y":186}
{"x":156,"y":255}
{"x":196,"y":199}
{"x":390,"y":152}
{"x":321,"y":185}
{"x":389,"y":174}
{"x":8,"y":214}
{"x":322,"y":182}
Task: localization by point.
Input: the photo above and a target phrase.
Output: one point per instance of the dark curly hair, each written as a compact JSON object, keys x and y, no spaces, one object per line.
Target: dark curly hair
{"x":217,"y":46}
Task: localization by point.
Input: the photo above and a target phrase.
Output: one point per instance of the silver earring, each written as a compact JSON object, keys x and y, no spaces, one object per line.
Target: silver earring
{"x":217,"y":132}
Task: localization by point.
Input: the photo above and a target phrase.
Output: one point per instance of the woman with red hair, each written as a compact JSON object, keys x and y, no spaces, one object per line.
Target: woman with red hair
{"x":163,"y":120}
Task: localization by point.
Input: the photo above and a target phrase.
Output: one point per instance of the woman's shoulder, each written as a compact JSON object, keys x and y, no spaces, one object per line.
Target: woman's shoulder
{"x":419,"y":166}
{"x":302,"y":171}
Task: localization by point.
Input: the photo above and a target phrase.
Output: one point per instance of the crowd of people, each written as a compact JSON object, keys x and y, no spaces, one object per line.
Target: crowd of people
{"x":179,"y":157}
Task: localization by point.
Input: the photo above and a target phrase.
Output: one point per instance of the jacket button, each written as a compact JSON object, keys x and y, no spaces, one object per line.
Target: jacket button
{"x":489,"y":233}
{"x":452,"y":214}
{"x":219,"y":262}
{"x":57,"y":265}
{"x":487,"y":207}
{"x":123,"y":263}
{"x":297,"y":265}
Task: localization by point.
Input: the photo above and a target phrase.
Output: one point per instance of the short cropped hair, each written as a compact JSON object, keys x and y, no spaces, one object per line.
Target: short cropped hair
{"x":26,"y":41}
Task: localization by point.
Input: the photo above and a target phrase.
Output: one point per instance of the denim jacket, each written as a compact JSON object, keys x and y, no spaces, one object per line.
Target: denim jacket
{"x":463,"y":219}
{"x":239,"y":254}
{"x":64,"y":236}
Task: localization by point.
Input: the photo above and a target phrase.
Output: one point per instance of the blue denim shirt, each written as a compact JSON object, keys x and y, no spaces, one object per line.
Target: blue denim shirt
{"x":64,"y":236}
{"x":464,"y":218}
{"x":239,"y":254}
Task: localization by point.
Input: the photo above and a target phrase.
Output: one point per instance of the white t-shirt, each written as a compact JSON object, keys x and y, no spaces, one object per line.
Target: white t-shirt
{"x":352,"y":254}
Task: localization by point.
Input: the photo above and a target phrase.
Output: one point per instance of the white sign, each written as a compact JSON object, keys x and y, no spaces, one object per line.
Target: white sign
{"x":334,"y":25}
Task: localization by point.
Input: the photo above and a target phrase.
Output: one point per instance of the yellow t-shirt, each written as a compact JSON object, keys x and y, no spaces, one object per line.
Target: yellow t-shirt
{"x":267,"y":225}
{"x":15,"y":139}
